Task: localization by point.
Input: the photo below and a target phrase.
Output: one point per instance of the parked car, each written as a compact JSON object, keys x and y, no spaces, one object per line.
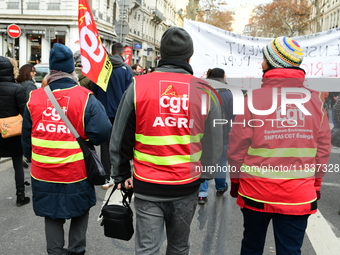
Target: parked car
{"x":41,"y":71}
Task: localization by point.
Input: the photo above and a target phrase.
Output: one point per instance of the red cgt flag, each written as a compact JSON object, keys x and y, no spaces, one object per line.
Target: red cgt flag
{"x":95,"y":61}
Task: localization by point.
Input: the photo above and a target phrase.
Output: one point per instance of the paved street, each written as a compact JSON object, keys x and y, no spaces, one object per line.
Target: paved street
{"x":216,"y":228}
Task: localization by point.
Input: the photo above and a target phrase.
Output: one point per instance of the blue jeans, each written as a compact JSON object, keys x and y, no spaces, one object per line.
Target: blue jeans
{"x":289,"y":231}
{"x":151,"y":217}
{"x":220,"y":177}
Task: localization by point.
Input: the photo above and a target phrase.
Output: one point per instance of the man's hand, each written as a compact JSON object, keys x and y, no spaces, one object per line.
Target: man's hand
{"x":318,"y":194}
{"x":234,"y":189}
{"x":127,"y":184}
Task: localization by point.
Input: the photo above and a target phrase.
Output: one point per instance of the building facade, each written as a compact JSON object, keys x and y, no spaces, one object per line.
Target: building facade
{"x":327,"y":14}
{"x":45,"y":22}
{"x":242,"y":16}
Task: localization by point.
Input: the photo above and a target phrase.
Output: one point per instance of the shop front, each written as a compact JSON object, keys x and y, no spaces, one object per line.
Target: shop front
{"x":33,"y":45}
{"x":39,"y":43}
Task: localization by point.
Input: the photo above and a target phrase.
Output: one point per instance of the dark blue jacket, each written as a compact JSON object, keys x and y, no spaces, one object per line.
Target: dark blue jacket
{"x":120,"y":80}
{"x":60,"y":200}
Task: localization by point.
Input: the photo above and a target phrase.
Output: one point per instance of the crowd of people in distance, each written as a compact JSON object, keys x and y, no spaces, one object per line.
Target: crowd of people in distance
{"x":137,"y":69}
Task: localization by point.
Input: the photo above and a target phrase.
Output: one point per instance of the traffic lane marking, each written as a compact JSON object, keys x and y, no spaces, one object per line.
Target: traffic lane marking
{"x":321,"y":236}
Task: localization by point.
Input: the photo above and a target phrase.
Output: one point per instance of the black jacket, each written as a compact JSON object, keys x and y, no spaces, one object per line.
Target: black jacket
{"x":12,"y":102}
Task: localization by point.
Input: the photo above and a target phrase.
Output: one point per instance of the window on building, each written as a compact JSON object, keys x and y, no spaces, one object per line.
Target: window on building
{"x":59,"y":38}
{"x":53,"y":5}
{"x":114,"y":11}
{"x":13,"y":5}
{"x":33,"y":5}
{"x":34,"y":48}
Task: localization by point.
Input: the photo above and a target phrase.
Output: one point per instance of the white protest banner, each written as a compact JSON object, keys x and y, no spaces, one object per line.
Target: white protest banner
{"x":241,"y":56}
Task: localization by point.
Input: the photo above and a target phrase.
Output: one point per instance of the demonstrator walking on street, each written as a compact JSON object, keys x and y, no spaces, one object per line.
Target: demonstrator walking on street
{"x":281,"y":162}
{"x":159,"y":124}
{"x":60,"y":187}
{"x":120,"y":80}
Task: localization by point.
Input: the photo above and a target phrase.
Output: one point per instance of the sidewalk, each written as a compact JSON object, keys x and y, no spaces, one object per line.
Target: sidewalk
{"x":2,"y":160}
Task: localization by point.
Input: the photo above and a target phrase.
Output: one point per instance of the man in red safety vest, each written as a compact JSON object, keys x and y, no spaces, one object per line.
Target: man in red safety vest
{"x":165,"y":123}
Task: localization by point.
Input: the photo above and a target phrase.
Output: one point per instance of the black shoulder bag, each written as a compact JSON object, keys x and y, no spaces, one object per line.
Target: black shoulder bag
{"x":94,"y":168}
{"x":118,"y":219}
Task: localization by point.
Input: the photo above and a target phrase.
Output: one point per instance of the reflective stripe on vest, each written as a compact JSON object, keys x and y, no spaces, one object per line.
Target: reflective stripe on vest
{"x":168,"y":140}
{"x":277,"y":172}
{"x":164,"y":181}
{"x":167,"y":160}
{"x":57,"y":181}
{"x":56,"y":160}
{"x":283,"y":152}
{"x":55,"y":144}
{"x":277,"y":203}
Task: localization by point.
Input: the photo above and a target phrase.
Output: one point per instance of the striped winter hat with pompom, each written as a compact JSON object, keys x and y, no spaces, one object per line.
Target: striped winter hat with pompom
{"x":283,"y":52}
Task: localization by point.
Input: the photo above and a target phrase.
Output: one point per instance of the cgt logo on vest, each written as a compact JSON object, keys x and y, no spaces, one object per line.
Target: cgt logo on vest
{"x":173,"y":100}
{"x":51,"y":120}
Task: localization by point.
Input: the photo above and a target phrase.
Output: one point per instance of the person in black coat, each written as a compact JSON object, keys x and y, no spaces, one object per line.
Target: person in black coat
{"x":12,"y":102}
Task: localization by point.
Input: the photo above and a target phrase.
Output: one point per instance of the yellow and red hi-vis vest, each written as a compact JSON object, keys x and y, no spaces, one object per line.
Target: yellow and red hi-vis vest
{"x":169,"y":127}
{"x":56,"y":155}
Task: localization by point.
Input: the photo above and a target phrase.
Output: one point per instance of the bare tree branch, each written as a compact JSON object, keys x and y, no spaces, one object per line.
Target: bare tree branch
{"x":281,"y":18}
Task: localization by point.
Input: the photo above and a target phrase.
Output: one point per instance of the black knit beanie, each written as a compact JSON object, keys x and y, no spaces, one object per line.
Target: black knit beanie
{"x":61,"y":58}
{"x":176,"y":43}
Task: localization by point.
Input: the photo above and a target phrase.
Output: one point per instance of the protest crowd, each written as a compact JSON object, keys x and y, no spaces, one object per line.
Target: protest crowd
{"x":159,"y":138}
